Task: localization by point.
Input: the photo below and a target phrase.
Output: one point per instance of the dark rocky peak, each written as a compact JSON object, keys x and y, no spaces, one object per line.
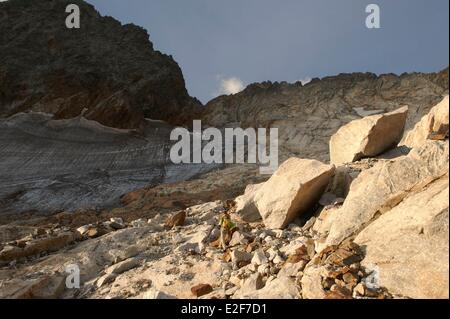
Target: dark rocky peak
{"x":109,"y":68}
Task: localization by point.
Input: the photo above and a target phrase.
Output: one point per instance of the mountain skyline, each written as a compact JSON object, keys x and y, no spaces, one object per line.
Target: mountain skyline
{"x":222,"y":47}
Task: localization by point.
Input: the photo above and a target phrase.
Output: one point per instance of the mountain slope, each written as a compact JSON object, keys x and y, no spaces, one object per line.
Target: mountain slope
{"x":308,"y":115}
{"x":109,"y":69}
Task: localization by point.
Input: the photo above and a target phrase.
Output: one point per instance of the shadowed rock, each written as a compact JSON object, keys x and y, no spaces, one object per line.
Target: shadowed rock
{"x":109,"y":69}
{"x":245,"y":205}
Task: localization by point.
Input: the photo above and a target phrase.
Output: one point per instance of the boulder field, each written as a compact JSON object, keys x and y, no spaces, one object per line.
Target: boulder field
{"x":371,"y":227}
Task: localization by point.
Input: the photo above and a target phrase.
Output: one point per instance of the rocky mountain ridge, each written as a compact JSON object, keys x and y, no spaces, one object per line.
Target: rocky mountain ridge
{"x":85,"y":114}
{"x":308,"y":115}
{"x":107,"y":71}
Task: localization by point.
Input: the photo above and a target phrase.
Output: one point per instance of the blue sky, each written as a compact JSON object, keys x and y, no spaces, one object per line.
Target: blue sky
{"x":224,"y":45}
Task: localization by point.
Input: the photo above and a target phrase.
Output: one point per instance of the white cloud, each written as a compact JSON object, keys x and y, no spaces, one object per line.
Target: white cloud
{"x":305,"y":80}
{"x":231,"y":85}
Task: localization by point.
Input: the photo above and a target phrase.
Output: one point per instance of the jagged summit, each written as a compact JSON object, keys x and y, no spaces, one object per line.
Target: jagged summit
{"x":108,"y":68}
{"x":440,"y":78}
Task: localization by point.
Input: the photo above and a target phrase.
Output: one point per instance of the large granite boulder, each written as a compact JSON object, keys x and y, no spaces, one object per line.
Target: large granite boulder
{"x":433,"y":126}
{"x":408,"y":245}
{"x":296,"y":186}
{"x":367,"y":137}
{"x":383,"y":186}
{"x":245,"y":206}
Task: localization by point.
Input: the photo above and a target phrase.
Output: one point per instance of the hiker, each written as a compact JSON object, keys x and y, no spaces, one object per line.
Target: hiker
{"x":226,"y":226}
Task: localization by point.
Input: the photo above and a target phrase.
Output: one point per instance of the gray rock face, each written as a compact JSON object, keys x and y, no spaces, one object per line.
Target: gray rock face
{"x":103,"y":72}
{"x":109,"y":69}
{"x":79,"y":163}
